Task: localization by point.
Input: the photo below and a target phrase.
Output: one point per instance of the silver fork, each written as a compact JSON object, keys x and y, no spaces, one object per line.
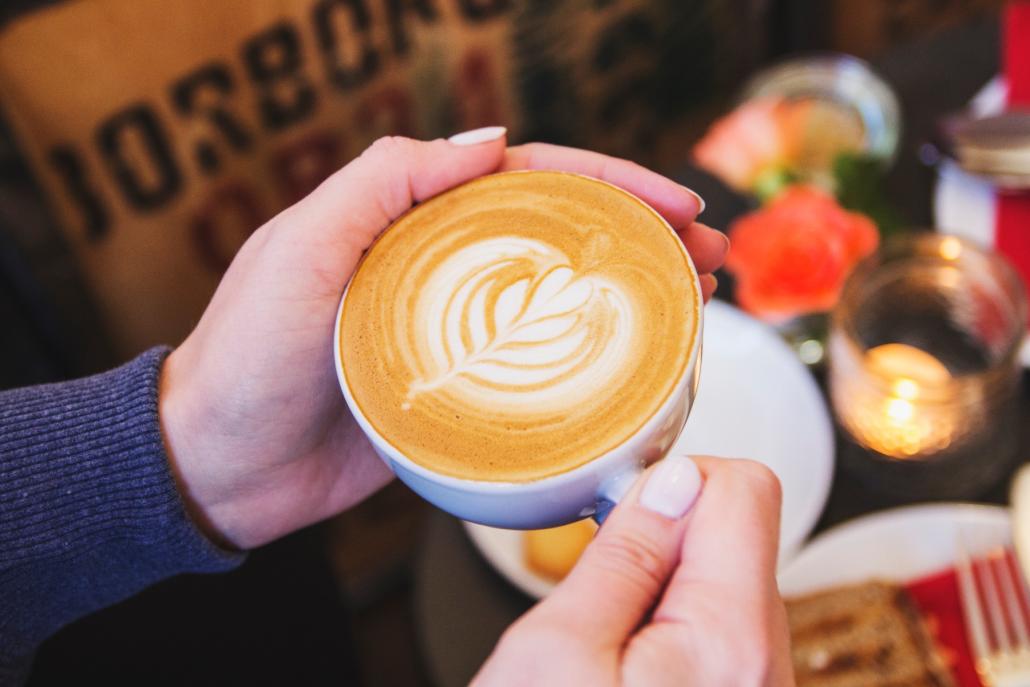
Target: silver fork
{"x":999,"y":637}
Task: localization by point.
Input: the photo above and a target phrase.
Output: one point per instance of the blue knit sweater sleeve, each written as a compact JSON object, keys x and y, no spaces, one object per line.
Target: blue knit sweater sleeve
{"x":89,"y":511}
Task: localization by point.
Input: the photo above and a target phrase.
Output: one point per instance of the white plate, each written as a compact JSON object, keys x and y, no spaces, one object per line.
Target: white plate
{"x":899,"y":545}
{"x":756,"y":400}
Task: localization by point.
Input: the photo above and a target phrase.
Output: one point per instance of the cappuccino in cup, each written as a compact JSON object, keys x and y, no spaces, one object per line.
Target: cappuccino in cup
{"x":520,"y":326}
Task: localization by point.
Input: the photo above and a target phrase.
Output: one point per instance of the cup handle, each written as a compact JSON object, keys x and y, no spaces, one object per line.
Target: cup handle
{"x":613,"y":490}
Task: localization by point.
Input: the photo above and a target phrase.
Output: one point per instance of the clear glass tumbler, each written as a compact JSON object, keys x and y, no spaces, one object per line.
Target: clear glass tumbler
{"x":924,"y":371}
{"x":845,"y":81}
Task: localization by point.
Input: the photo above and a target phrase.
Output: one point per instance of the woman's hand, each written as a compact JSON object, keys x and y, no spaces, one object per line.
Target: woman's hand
{"x":258,"y":434}
{"x":665,"y":594}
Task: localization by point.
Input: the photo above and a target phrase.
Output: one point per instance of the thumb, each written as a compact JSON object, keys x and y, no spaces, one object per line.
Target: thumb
{"x":354,"y":205}
{"x":623,"y":571}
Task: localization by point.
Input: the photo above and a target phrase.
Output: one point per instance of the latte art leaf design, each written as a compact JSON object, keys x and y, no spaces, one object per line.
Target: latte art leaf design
{"x":518,"y":326}
{"x":519,"y":320}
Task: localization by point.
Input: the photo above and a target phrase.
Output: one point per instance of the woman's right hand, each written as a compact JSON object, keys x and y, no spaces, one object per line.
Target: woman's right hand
{"x":670,"y":592}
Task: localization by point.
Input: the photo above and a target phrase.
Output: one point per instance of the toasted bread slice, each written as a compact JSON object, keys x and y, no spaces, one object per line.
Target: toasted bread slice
{"x":867,"y":635}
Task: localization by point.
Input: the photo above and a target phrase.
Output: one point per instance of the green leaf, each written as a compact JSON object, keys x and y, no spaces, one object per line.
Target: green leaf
{"x":859,"y":185}
{"x":771,"y":181}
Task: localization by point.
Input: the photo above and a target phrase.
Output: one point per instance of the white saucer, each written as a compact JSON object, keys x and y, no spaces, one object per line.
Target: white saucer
{"x":756,"y":400}
{"x":898,"y":545}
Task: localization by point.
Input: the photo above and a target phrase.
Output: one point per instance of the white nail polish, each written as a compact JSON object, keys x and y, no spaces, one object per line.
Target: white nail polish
{"x":477,"y":136}
{"x":700,"y":201}
{"x":672,"y":487}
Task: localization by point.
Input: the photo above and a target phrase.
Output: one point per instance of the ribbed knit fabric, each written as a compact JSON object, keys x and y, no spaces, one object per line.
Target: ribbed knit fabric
{"x":89,"y":511}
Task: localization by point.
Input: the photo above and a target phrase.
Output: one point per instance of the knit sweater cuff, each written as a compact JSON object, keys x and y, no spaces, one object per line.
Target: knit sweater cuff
{"x":89,"y":510}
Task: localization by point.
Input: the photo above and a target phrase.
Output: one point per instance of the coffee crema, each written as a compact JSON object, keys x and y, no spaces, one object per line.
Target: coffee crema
{"x":518,"y":326}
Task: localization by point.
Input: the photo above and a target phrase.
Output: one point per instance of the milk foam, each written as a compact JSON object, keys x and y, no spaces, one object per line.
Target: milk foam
{"x":507,"y":321}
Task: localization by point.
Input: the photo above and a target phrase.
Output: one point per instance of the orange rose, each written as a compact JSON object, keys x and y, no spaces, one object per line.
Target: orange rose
{"x":747,"y":143}
{"x":792,"y":256}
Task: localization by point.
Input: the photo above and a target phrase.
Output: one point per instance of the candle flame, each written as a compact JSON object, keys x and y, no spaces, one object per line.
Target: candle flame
{"x":899,"y":411}
{"x":950,"y":248}
{"x":906,"y":388}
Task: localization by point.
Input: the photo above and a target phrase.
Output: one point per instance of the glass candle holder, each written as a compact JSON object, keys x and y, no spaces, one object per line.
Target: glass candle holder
{"x":924,"y":373}
{"x":845,"y":81}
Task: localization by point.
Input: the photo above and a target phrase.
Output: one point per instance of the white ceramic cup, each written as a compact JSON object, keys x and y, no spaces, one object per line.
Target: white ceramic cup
{"x":591,"y":489}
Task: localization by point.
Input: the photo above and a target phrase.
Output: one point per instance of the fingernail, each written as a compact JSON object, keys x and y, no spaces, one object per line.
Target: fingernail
{"x":672,"y":487}
{"x":711,"y":279}
{"x":477,"y":136}
{"x":700,"y":200}
{"x":725,"y":240}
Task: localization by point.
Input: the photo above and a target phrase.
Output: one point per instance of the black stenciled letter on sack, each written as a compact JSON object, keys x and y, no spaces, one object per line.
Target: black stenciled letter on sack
{"x":203,"y":93}
{"x":137,"y":152}
{"x":274,"y":63}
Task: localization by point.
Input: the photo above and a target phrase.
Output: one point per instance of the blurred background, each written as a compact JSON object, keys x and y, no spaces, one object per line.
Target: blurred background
{"x":141,"y":142}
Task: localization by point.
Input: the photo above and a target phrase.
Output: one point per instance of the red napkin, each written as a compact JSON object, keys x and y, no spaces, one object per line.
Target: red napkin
{"x":1012,"y":223}
{"x":938,"y":601}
